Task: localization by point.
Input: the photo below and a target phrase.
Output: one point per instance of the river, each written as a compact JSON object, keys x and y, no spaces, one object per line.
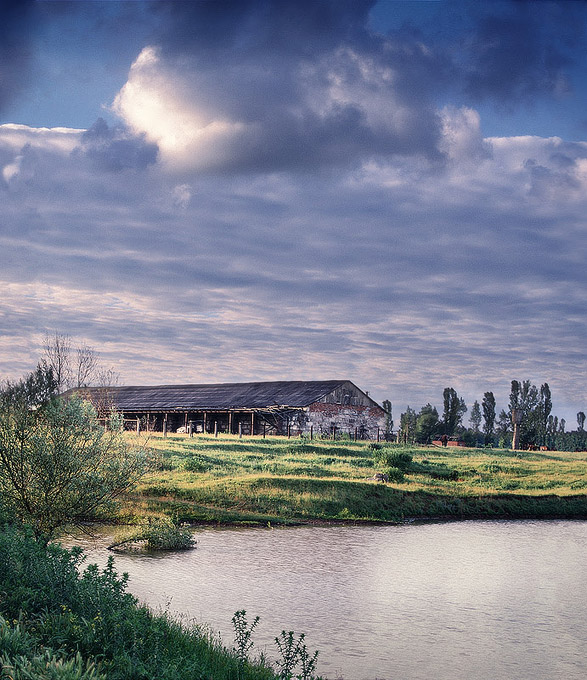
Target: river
{"x":442,"y":601}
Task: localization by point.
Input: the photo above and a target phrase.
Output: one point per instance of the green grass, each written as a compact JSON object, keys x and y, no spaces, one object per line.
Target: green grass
{"x":279,"y":480}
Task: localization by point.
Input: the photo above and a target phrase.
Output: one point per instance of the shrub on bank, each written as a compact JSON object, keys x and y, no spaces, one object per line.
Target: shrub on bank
{"x":66,"y":623}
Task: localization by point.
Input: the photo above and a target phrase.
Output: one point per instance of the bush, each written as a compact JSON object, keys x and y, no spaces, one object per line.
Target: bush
{"x":394,"y":459}
{"x":159,"y":533}
{"x":394,"y":474}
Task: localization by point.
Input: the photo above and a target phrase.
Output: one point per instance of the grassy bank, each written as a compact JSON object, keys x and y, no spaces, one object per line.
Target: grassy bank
{"x":227,"y":479}
{"x":58,"y":623}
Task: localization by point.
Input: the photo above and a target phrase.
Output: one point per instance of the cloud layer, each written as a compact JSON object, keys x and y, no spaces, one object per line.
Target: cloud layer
{"x":292,"y":195}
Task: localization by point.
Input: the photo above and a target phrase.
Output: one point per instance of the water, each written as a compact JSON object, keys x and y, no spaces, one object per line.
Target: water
{"x":470,"y":600}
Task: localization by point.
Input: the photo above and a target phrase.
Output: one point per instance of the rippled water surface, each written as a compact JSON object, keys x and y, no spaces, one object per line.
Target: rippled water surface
{"x":470,"y":600}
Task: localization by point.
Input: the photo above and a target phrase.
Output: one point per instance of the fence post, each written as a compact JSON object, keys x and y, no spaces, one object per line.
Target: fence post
{"x":165,"y":428}
{"x":264,"y":429}
{"x":138,"y":426}
{"x":311,"y":432}
{"x":216,"y":428}
{"x":240,"y":430}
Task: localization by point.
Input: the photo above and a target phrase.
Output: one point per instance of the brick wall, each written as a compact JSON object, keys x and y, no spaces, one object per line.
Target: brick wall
{"x":323,"y":417}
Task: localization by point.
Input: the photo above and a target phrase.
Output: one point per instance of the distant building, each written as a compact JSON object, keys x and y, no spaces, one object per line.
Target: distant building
{"x":320,"y":406}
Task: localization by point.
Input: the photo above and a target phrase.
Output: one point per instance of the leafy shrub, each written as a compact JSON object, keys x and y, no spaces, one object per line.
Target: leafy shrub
{"x":394,"y":459}
{"x":394,"y":474}
{"x":160,"y":533}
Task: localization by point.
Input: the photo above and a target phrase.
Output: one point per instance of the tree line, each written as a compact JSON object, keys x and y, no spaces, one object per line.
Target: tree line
{"x":486,"y":427}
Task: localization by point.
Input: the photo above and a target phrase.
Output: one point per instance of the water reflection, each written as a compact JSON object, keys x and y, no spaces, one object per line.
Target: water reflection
{"x":483,"y":600}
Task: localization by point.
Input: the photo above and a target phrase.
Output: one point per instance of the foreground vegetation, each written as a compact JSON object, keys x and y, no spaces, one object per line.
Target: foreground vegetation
{"x":56,"y":623}
{"x":280,"y":480}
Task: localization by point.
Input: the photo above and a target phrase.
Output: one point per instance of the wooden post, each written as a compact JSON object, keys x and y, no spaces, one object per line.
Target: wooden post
{"x":356,"y":431}
{"x":205,"y":423}
{"x":377,"y":434}
{"x":288,"y":429}
{"x":185,"y":421}
{"x":215,"y":428}
{"x":334,"y":433}
{"x":264,"y":429}
{"x":240,"y":430}
{"x":252,"y":423}
{"x":230,"y":422}
{"x":311,"y":432}
{"x":138,"y":425}
{"x":165,"y":428}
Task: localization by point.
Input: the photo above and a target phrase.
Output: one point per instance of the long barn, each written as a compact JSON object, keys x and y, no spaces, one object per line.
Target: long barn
{"x":281,"y":407}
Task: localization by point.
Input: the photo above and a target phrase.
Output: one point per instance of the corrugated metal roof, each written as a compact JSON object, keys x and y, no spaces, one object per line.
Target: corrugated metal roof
{"x":223,"y":396}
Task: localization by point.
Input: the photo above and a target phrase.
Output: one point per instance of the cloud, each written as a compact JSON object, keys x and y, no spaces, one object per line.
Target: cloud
{"x":14,"y":48}
{"x":398,"y":275}
{"x":518,"y":50}
{"x":116,"y":149}
{"x":330,"y":94}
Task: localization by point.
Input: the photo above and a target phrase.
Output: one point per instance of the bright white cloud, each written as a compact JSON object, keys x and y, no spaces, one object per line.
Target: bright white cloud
{"x":56,"y":139}
{"x":157,"y":102}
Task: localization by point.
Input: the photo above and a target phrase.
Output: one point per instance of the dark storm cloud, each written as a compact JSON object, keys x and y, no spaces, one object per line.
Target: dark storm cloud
{"x":256,"y":28}
{"x":15,"y":48}
{"x":522,"y":49}
{"x":116,"y":149}
{"x":307,"y":82}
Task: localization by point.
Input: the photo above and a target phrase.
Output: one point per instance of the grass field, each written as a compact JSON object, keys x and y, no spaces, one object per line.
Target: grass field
{"x":280,"y":480}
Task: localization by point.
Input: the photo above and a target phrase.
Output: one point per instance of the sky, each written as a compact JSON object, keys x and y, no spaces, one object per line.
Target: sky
{"x":392,"y":192}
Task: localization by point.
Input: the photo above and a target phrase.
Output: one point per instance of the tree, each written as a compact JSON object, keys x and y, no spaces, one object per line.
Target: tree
{"x":79,"y":368}
{"x":544,"y":409}
{"x":408,"y":420}
{"x":524,"y":397}
{"x":475,"y":417}
{"x":551,"y":431}
{"x":504,"y":429}
{"x":580,"y":421}
{"x":488,"y":405}
{"x":58,"y":465}
{"x":454,"y":410}
{"x":57,"y":357}
{"x":427,"y":424}
{"x":387,"y":407}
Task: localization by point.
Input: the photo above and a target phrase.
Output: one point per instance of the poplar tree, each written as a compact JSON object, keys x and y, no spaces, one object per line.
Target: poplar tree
{"x":454,"y":410}
{"x":488,"y":405}
{"x":475,"y":418}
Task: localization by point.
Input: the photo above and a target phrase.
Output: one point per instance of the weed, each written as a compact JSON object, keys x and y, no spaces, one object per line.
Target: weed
{"x":242,"y":634}
{"x":293,"y":652}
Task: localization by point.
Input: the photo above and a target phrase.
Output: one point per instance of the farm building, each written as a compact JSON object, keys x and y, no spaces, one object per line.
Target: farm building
{"x":294,"y":407}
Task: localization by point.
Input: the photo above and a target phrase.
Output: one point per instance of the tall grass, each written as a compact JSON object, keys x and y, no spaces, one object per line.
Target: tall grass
{"x":254,"y":480}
